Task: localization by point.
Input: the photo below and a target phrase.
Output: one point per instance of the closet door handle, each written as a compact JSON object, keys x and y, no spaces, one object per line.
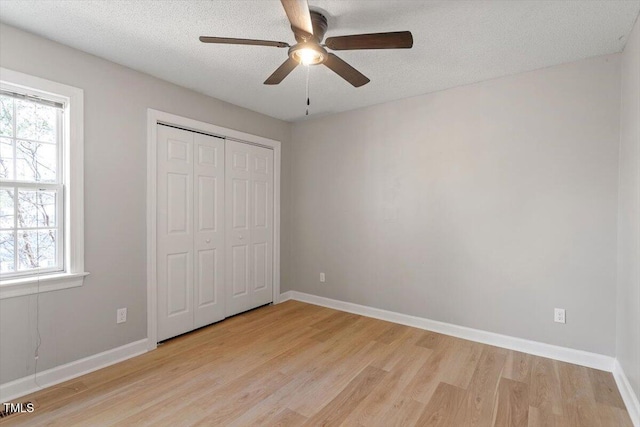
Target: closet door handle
{"x":240,"y":236}
{"x":208,"y":240}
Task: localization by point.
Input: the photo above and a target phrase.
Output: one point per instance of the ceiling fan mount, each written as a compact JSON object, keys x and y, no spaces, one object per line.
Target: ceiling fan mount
{"x":309,"y":28}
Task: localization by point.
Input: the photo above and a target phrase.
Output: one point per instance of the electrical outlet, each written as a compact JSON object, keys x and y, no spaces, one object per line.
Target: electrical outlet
{"x":559,"y":315}
{"x":321,"y":277}
{"x":121,"y":315}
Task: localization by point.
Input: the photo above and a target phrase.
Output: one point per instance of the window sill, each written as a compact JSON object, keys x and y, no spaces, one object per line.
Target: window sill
{"x":46,"y":283}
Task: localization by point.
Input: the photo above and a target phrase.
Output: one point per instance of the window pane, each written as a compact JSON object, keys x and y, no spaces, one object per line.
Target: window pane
{"x":35,"y":121}
{"x":36,"y":208}
{"x":7,"y":164}
{"x":6,"y":116}
{"x":6,"y":208}
{"x":36,"y":249}
{"x":27,"y":209}
{"x":7,"y":251}
{"x":36,"y":162}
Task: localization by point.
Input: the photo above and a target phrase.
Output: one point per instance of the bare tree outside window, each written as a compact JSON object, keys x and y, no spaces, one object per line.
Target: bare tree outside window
{"x":30,"y":186}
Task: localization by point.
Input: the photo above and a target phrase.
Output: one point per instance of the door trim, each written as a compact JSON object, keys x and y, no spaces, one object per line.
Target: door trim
{"x":153,"y":118}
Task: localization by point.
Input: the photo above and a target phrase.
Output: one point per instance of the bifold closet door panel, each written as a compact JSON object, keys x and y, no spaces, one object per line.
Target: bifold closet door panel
{"x":237,"y":208}
{"x":175,"y":247}
{"x":261,"y":221}
{"x":209,"y":230}
{"x":249,"y":226}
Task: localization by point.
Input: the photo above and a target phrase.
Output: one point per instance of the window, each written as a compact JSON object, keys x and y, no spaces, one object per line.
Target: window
{"x":31,"y":185}
{"x":41,"y":222}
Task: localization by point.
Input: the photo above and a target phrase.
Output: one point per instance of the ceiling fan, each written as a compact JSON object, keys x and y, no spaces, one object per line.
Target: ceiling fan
{"x":309,"y":28}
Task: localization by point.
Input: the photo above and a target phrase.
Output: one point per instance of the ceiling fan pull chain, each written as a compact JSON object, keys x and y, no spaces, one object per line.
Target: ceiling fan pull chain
{"x":308,"y":103}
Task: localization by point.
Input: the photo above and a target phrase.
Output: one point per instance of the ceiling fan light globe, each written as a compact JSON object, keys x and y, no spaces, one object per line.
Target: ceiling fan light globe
{"x":308,"y":54}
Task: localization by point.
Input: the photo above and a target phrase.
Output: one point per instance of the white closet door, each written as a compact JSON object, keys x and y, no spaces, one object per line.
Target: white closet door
{"x":261,"y":220}
{"x":175,"y":232}
{"x":209,"y":230}
{"x":249,"y":226}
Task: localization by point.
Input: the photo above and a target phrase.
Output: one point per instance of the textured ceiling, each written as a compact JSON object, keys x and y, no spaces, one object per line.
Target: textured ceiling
{"x":455,"y":43}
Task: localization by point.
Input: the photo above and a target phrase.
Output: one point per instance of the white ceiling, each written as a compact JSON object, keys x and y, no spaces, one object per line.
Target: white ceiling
{"x":455,"y":43}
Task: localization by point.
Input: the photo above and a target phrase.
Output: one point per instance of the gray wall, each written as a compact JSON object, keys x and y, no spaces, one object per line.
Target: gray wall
{"x":628,"y":332}
{"x":79,"y":322}
{"x":484,"y":206}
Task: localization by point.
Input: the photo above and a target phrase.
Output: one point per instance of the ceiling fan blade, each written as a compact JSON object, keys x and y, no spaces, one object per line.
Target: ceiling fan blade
{"x":299,"y":17}
{"x":227,"y":40}
{"x":396,"y":40}
{"x":282,"y":72}
{"x":346,"y":71}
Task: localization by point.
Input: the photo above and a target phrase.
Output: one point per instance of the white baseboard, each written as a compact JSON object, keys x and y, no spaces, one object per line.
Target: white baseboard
{"x":564,"y":354}
{"x":285,"y":296}
{"x":628,"y":395}
{"x":26,"y":385}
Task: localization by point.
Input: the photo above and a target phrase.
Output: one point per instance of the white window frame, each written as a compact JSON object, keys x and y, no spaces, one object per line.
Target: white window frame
{"x":72,"y":160}
{"x":57,"y":186}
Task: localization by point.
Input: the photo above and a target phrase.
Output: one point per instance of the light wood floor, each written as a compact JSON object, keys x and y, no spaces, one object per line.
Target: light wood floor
{"x":299,"y":364}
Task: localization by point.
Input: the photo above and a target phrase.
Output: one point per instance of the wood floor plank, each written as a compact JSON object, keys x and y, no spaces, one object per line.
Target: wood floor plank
{"x":389,"y":389}
{"x":335,"y":321}
{"x":49,"y":396}
{"x":284,"y":418}
{"x":391,"y":358}
{"x":613,"y":416}
{"x":604,"y":387}
{"x":404,"y":412}
{"x":442,"y":407}
{"x":296,"y":363}
{"x":541,"y":418}
{"x":431,"y":339}
{"x":518,"y":367}
{"x":512,"y":407}
{"x":138,"y":400}
{"x":272,"y":408}
{"x":391,"y":333}
{"x":317,"y":371}
{"x":231,"y":402}
{"x":578,"y":402}
{"x":477,"y":407}
{"x":328,"y":383}
{"x":339,"y":408}
{"x":428,"y":376}
{"x":544,"y":392}
{"x":461,"y":363}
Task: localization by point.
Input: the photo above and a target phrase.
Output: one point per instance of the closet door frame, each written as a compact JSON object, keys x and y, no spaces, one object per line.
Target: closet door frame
{"x":154,"y":117}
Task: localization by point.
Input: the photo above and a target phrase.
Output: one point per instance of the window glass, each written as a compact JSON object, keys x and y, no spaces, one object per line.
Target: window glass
{"x":30,"y":186}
